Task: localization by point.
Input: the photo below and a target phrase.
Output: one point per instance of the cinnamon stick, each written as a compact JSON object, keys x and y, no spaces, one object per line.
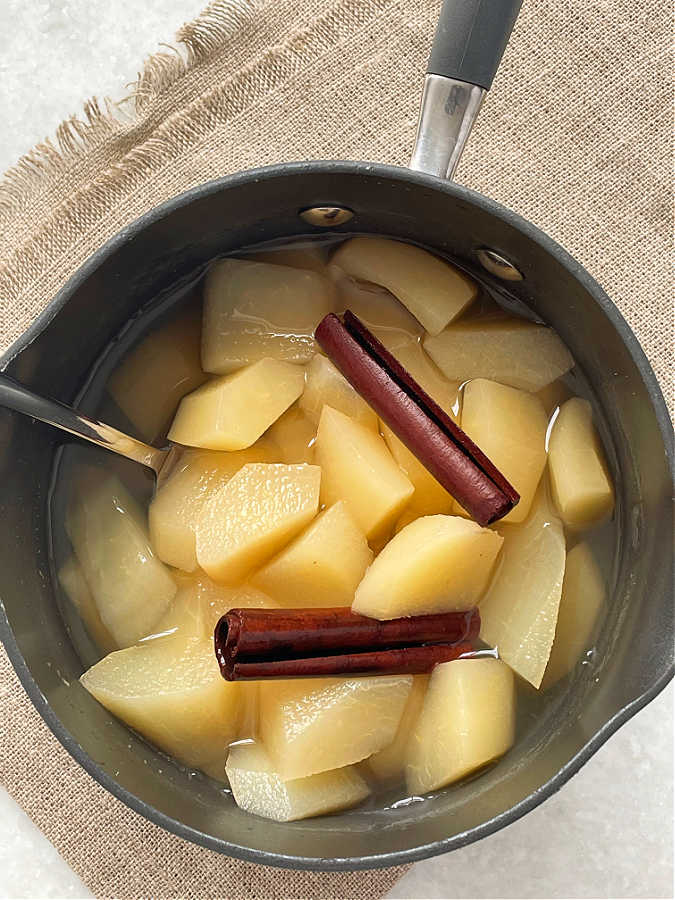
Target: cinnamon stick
{"x":287,"y":643}
{"x":424,"y":427}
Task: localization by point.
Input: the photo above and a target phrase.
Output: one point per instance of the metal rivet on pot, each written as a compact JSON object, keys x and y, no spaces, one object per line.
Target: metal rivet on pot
{"x":326,"y":216}
{"x":498,"y":265}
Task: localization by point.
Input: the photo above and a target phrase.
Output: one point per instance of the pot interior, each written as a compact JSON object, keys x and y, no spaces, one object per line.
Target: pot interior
{"x":169,"y":248}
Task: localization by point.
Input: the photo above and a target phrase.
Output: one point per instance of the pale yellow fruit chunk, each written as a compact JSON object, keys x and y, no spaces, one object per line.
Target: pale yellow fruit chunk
{"x":430,"y":288}
{"x":321,"y":567}
{"x":390,"y":763}
{"x":254,"y":310}
{"x":509,"y":426}
{"x":583,"y":596}
{"x":580,"y":485}
{"x":232,"y":412}
{"x":176,"y":506}
{"x":72,"y":580}
{"x":357,"y":468}
{"x":293,"y":434}
{"x":325,"y":385}
{"x":199,"y":604}
{"x":258,"y":788}
{"x":467,"y":721}
{"x":171,"y":691}
{"x":520,"y":610}
{"x":435,"y":564}
{"x":158,"y":373}
{"x":379,"y":310}
{"x":260,"y":509}
{"x":305,"y":257}
{"x":316,"y":724}
{"x":429,"y":497}
{"x":131,"y":587}
{"x":511,"y":351}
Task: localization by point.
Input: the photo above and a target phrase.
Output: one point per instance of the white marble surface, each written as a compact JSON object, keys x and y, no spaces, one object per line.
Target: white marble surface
{"x":609,"y":832}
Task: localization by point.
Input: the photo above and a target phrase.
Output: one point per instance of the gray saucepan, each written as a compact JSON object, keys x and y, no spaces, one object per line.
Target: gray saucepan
{"x":634,"y":655}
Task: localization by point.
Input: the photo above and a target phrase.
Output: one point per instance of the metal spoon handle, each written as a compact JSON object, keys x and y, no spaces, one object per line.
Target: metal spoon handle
{"x":15,"y":396}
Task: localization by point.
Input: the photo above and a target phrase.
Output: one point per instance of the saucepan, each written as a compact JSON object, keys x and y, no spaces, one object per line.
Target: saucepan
{"x":633,"y":659}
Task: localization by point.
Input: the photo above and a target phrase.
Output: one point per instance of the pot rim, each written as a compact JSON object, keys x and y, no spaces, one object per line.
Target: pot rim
{"x":421,"y":180}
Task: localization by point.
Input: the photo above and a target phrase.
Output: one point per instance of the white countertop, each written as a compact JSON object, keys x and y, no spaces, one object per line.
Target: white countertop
{"x":609,"y":832}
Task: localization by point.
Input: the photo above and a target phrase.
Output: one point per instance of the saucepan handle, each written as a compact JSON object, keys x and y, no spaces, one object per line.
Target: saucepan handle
{"x":468,"y":46}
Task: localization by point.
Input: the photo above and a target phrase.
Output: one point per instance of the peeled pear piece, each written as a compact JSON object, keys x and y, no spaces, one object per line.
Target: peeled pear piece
{"x":509,"y":426}
{"x":508,"y":350}
{"x":155,"y":376}
{"x":467,"y":721}
{"x":171,"y":691}
{"x":175,"y":508}
{"x":430,"y":288}
{"x":72,"y":580}
{"x":199,"y":604}
{"x":293,"y":434}
{"x":389,"y":763}
{"x":253,"y":516}
{"x":377,"y":308}
{"x":326,"y":385}
{"x":131,"y":587}
{"x":583,"y":596}
{"x":254,"y":310}
{"x":429,"y":377}
{"x":435,"y":564}
{"x":313,"y":725}
{"x":258,"y":789}
{"x":232,"y":412}
{"x":321,"y":567}
{"x":580,"y":485}
{"x":357,"y":468}
{"x":520,"y":610}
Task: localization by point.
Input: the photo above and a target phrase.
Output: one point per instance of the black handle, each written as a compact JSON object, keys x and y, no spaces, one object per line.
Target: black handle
{"x":470,"y":39}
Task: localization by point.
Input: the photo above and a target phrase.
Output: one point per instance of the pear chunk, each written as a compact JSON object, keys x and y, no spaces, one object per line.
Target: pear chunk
{"x":317,"y":724}
{"x":176,"y":506}
{"x":158,"y":373}
{"x":430,"y":497}
{"x":170,"y":690}
{"x":583,"y":596}
{"x":520,"y":610}
{"x":258,"y":789}
{"x":293,"y":434}
{"x":358,"y":468}
{"x":72,"y":580}
{"x":130,"y":586}
{"x":435,"y":564}
{"x":466,"y":722}
{"x":232,"y":412}
{"x":580,"y":485}
{"x":325,"y":385}
{"x":511,"y":351}
{"x":509,"y":426}
{"x":389,"y":763}
{"x":430,"y":288}
{"x":253,"y":516}
{"x":321,"y":567}
{"x":254,"y":310}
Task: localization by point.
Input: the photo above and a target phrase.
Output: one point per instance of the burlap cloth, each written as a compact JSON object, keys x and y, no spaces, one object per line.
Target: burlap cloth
{"x":574,"y":135}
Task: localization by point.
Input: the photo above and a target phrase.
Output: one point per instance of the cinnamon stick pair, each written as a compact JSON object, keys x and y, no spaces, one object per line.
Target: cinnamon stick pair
{"x":305,"y":643}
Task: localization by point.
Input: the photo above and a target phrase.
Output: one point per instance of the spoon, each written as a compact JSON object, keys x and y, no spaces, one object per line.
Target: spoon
{"x":17,"y":397}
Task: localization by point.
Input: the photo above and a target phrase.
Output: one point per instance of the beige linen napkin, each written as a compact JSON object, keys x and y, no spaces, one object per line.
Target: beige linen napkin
{"x":574,"y":135}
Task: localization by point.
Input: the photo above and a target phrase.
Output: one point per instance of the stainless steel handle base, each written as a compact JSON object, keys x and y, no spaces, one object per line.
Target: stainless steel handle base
{"x":447,"y":113}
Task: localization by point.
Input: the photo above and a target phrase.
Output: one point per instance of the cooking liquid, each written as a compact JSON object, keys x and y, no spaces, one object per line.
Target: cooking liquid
{"x":155,"y":378}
